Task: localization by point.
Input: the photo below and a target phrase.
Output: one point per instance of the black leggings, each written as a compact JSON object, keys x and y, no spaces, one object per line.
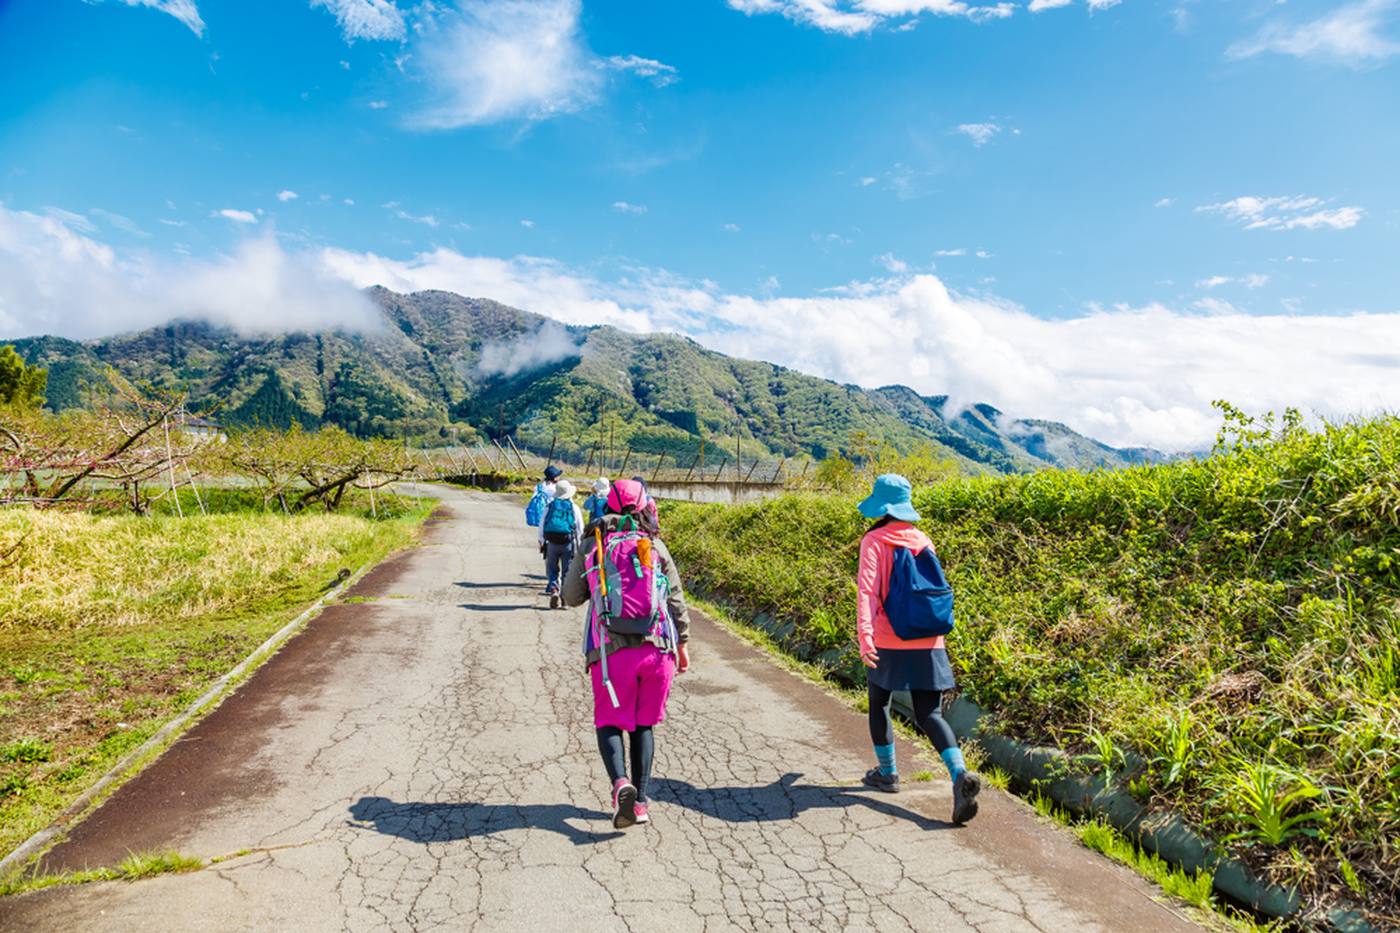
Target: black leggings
{"x":928,"y":716}
{"x":643,"y":747}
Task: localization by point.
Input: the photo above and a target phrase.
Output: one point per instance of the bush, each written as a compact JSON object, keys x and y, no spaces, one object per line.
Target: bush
{"x":1232,"y":621}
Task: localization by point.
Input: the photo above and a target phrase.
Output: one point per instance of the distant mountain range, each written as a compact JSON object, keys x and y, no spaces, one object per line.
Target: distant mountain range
{"x":443,"y":363}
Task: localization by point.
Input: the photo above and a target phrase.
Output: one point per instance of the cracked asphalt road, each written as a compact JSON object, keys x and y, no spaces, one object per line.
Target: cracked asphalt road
{"x":422,"y":758}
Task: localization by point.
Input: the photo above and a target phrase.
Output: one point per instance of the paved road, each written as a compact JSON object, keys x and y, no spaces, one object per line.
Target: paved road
{"x":423,"y":758}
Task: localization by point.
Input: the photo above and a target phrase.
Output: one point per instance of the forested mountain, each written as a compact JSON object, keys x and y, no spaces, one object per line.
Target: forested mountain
{"x":442,"y":363}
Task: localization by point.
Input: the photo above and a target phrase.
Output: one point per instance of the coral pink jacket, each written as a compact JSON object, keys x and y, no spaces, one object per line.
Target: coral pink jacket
{"x":873,"y":584}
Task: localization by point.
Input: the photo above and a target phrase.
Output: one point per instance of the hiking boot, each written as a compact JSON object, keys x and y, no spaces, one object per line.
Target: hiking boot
{"x":624,"y":804}
{"x":965,"y":790}
{"x":640,"y":811}
{"x":885,"y":783}
{"x":554,"y":600}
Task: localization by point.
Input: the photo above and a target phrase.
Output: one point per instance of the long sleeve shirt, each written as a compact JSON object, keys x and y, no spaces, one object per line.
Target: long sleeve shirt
{"x":873,"y":585}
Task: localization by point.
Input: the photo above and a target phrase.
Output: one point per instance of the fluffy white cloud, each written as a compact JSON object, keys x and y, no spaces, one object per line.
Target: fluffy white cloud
{"x":1351,"y":35}
{"x":183,"y":10}
{"x":1285,"y":213}
{"x":979,"y":133}
{"x":427,"y":220}
{"x":56,"y":279}
{"x":286,"y":195}
{"x":365,"y":19}
{"x":852,"y":17}
{"x":1037,"y":6}
{"x":1126,"y":375}
{"x":626,"y":207}
{"x":489,"y":61}
{"x":660,"y":73}
{"x":237,"y":216}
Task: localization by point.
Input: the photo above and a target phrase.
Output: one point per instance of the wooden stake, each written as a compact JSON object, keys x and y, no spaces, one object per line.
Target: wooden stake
{"x":625,"y":460}
{"x":197,"y":498}
{"x":170,"y":464}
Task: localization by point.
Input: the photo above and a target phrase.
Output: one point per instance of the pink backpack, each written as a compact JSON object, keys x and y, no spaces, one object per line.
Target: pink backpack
{"x":629,"y":591}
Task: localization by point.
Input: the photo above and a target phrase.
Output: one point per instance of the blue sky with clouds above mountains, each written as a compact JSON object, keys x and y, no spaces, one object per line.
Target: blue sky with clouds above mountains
{"x":1108,"y":212}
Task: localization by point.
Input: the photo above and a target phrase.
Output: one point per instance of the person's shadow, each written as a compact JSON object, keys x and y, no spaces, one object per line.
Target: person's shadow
{"x":450,"y":822}
{"x":783,"y":799}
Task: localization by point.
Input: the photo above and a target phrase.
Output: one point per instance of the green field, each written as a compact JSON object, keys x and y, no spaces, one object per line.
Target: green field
{"x":1233,"y":622}
{"x":110,"y":624}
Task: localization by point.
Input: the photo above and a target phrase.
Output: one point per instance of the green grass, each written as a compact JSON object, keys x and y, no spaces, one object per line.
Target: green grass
{"x":134,"y":867}
{"x":114,"y":623}
{"x":1222,"y":635}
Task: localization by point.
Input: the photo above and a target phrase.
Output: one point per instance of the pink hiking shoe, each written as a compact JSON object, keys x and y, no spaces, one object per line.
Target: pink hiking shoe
{"x":640,"y":811}
{"x":624,"y":804}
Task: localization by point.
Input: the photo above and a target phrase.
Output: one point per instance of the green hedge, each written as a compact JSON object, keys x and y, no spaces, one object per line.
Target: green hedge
{"x":1232,"y":622}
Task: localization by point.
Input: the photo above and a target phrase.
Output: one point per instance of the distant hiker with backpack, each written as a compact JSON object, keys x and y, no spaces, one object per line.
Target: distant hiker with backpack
{"x":596,"y":505}
{"x":544,"y":491}
{"x":904,"y":608}
{"x":560,"y":532}
{"x":635,"y":640}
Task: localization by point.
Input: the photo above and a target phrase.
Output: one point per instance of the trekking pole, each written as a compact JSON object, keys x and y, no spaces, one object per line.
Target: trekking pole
{"x":602,"y":610}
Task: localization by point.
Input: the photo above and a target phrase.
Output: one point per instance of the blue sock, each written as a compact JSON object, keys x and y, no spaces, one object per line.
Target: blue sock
{"x":884,"y":754}
{"x":952,"y":757}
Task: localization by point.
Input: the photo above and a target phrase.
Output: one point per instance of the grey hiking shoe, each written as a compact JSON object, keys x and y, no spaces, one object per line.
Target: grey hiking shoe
{"x":885,"y":783}
{"x":965,"y":790}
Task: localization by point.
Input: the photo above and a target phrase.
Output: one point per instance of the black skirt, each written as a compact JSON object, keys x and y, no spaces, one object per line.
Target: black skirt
{"x":912,"y":669}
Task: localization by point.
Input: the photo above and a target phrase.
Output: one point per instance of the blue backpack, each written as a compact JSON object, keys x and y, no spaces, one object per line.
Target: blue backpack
{"x":920,"y":601}
{"x":534,"y":512}
{"x":559,"y":518}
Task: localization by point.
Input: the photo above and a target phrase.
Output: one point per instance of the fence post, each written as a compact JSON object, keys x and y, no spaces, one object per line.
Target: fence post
{"x":720,"y":471}
{"x":660,"y":458}
{"x":691,"y":471}
{"x":170,"y":464}
{"x":625,"y":460}
{"x":524,"y":469}
{"x":748,"y":475}
{"x":779,"y":471}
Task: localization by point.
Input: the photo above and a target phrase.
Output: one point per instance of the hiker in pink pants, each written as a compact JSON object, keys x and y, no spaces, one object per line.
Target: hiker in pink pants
{"x":635,"y":639}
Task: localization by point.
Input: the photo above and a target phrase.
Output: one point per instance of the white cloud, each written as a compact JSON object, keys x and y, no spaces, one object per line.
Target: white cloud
{"x":625,"y":207}
{"x":1126,"y":375}
{"x":1350,"y":35}
{"x":893,"y":263}
{"x":365,"y":19}
{"x":183,"y":10}
{"x":979,"y":133}
{"x":852,"y":17}
{"x":507,"y":59}
{"x":428,"y":220}
{"x":1285,"y":213}
{"x":1038,"y":6}
{"x":867,"y":181}
{"x":55,"y":279}
{"x":960,"y":251}
{"x":118,"y":222}
{"x":1251,"y":281}
{"x":549,"y":343}
{"x":983,"y":254}
{"x":237,"y":216}
{"x":378,"y":104}
{"x":286,"y":195}
{"x":527,"y":224}
{"x":1165,"y":202}
{"x":731,"y":228}
{"x":660,"y":73}
{"x":1096,"y":5}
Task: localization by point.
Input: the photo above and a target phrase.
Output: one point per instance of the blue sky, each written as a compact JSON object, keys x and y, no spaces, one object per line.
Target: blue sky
{"x":1065,"y":189}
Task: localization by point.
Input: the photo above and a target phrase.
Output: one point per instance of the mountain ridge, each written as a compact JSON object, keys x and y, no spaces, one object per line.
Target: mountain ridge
{"x":443,"y":363}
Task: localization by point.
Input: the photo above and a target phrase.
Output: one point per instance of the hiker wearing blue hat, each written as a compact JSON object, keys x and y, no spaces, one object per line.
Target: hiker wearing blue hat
{"x":904,"y":608}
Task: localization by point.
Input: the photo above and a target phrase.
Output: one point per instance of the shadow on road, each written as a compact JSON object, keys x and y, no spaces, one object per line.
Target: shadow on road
{"x":450,"y":822}
{"x":497,"y":607}
{"x":784,"y":799}
{"x":512,"y":585}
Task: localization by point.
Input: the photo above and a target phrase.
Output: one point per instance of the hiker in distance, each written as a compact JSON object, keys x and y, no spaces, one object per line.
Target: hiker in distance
{"x":596,"y":505}
{"x":534,"y":509}
{"x":561,"y":529}
{"x":904,"y":608}
{"x":635,"y":640}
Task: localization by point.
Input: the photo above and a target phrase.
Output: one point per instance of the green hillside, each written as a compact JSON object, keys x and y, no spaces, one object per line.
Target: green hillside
{"x":441,"y":360}
{"x":1233,"y":622}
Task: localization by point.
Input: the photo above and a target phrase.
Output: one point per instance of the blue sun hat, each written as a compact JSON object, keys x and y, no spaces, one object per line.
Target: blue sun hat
{"x":890,"y":497}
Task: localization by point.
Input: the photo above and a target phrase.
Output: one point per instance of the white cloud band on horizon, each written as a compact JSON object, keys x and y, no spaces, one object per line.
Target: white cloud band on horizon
{"x":1127,"y":376}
